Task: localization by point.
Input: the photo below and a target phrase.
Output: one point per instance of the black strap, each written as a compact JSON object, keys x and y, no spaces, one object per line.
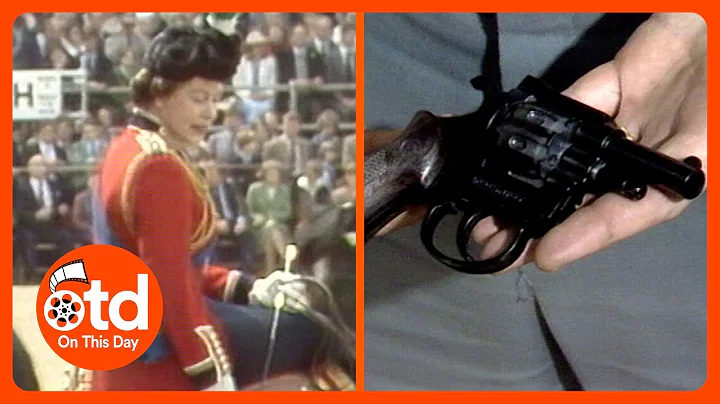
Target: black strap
{"x":598,"y":45}
{"x":490,"y":67}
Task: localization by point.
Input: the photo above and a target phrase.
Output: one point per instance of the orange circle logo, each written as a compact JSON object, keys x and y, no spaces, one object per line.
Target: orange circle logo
{"x":99,"y":307}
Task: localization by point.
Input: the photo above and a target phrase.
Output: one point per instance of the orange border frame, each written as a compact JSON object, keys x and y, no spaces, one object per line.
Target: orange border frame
{"x":707,"y":11}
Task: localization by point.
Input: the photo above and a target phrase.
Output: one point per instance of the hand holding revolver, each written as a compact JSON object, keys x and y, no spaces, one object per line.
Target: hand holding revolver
{"x":654,"y":91}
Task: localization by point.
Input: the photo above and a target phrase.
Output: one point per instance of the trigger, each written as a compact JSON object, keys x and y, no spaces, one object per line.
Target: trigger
{"x":464,"y":232}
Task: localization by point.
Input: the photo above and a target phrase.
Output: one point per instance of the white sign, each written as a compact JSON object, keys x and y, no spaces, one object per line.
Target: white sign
{"x":37,"y":94}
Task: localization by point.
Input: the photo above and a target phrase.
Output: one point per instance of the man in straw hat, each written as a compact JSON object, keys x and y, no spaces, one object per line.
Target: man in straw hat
{"x":256,"y":75}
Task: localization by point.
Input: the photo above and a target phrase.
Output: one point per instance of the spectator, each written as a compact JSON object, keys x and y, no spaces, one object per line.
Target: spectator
{"x":72,"y":42}
{"x":44,"y":144}
{"x":247,"y":153}
{"x":234,"y":220}
{"x":100,"y":67}
{"x":260,"y":132}
{"x":41,"y":205}
{"x":321,"y":28}
{"x":308,"y":19}
{"x":330,"y":156}
{"x":344,"y":195}
{"x":86,"y":152}
{"x":82,"y":212}
{"x":312,"y":199}
{"x":221,"y":143}
{"x":348,"y":150}
{"x":90,"y":148}
{"x":275,"y":25}
{"x":128,"y":67}
{"x":342,"y":70}
{"x":301,"y":62}
{"x":117,"y":44}
{"x":148,"y":26}
{"x":345,"y":19}
{"x":63,"y":21}
{"x":60,"y":60}
{"x":314,"y":183}
{"x":289,"y":148}
{"x":302,"y":65}
{"x":93,"y":22}
{"x":275,"y":20}
{"x":258,"y":68}
{"x":48,"y":39}
{"x":341,"y":64}
{"x":21,"y":150}
{"x":271,"y":122}
{"x":27,"y":52}
{"x":329,"y":51}
{"x":107,"y":120}
{"x":65,"y":134}
{"x":328,"y":124}
{"x":269,"y":202}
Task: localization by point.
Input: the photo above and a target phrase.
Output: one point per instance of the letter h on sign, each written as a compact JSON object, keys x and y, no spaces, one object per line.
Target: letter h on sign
{"x":27,"y":94}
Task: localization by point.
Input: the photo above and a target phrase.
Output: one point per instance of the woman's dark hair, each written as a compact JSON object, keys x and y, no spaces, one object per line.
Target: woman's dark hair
{"x":72,"y":26}
{"x":179,"y":54}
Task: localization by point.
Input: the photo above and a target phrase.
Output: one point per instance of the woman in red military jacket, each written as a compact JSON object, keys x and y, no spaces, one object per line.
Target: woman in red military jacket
{"x":151,"y":202}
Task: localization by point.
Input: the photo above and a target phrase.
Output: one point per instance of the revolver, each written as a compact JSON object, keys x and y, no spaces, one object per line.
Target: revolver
{"x":527,"y":157}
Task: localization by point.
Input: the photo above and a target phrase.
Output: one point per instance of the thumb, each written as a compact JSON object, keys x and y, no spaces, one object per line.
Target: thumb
{"x":600,"y":89}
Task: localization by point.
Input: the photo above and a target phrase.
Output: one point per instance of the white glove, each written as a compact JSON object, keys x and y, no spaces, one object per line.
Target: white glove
{"x":266,"y":290}
{"x":240,"y":225}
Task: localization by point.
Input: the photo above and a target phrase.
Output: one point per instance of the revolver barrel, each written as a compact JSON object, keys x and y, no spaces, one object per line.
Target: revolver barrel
{"x":645,"y":165}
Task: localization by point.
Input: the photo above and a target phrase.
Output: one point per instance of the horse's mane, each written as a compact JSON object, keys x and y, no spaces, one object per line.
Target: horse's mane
{"x":329,"y":226}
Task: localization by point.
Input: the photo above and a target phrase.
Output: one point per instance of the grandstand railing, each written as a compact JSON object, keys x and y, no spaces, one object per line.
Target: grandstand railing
{"x":78,"y":83}
{"x":79,"y":168}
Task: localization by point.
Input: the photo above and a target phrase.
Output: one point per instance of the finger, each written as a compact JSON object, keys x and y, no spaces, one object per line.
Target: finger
{"x":485,"y":229}
{"x":410,"y":217}
{"x":496,"y":244}
{"x":494,"y":240}
{"x":600,"y":89}
{"x":691,"y":137}
{"x":500,"y":241}
{"x":609,"y":219}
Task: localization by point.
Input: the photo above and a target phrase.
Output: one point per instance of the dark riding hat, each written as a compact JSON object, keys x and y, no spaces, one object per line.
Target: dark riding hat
{"x":181,"y":53}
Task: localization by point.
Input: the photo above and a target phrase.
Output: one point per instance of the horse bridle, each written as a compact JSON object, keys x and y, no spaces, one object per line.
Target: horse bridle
{"x":334,"y":324}
{"x":290,"y":256}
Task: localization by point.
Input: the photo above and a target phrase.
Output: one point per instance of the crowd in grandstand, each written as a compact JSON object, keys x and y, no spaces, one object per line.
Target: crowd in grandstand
{"x":274,"y":163}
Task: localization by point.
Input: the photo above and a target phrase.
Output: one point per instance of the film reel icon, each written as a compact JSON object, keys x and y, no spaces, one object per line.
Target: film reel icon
{"x":64,"y":310}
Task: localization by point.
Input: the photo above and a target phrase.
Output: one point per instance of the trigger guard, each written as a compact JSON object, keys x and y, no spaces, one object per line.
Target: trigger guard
{"x":469,"y":266}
